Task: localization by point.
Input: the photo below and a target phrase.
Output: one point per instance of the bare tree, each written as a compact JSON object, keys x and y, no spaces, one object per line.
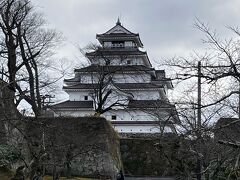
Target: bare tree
{"x":220,"y":86}
{"x":105,"y":93}
{"x":24,"y":46}
{"x":220,"y":67}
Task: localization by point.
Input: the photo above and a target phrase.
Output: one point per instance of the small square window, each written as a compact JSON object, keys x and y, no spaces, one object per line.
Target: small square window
{"x":114,"y":117}
{"x":128,"y":62}
{"x":85,"y":98}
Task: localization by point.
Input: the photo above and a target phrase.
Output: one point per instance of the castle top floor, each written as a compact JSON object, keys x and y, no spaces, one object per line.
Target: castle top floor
{"x":119,"y":37}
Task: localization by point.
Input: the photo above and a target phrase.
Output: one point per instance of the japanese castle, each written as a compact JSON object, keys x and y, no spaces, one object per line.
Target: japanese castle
{"x":120,"y":85}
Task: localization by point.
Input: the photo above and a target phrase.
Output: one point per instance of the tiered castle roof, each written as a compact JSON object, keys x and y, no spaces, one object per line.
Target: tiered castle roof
{"x":121,"y":48}
{"x":119,"y":32}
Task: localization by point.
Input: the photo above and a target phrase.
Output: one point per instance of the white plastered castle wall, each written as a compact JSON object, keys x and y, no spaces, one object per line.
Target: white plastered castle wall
{"x":140,"y":129}
{"x":123,"y":60}
{"x":74,"y":112}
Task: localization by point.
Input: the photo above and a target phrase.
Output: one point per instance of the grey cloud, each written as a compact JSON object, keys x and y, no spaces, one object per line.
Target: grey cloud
{"x":165,"y":26}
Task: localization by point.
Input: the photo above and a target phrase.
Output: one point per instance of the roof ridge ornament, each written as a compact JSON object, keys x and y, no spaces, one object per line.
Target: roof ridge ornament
{"x":118,"y":22}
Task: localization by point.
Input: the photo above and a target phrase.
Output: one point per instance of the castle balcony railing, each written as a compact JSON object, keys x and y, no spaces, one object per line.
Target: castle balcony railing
{"x":113,"y":48}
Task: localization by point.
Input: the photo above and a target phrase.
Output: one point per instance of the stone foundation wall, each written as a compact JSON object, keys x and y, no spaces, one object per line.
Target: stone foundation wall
{"x":84,"y":146}
{"x":156,"y":155}
{"x":87,"y":146}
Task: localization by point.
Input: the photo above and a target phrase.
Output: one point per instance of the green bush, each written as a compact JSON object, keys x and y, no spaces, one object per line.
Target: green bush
{"x":8,"y":155}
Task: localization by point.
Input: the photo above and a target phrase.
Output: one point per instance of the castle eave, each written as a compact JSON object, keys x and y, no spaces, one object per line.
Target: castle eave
{"x":112,"y":69}
{"x":124,"y":86}
{"x":115,"y":37}
{"x":149,"y":104}
{"x":118,"y":52}
{"x":73,"y":105}
{"x":140,"y":123}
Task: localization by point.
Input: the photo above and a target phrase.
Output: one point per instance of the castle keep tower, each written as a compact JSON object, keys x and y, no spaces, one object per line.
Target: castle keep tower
{"x":120,"y":85}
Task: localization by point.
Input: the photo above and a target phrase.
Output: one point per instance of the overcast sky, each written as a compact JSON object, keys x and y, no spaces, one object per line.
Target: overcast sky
{"x":165,"y":26}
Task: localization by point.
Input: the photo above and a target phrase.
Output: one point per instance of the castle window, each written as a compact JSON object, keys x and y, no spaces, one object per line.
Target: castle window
{"x":114,"y":117}
{"x":117,"y":44}
{"x":85,"y":98}
{"x":128,"y":62}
